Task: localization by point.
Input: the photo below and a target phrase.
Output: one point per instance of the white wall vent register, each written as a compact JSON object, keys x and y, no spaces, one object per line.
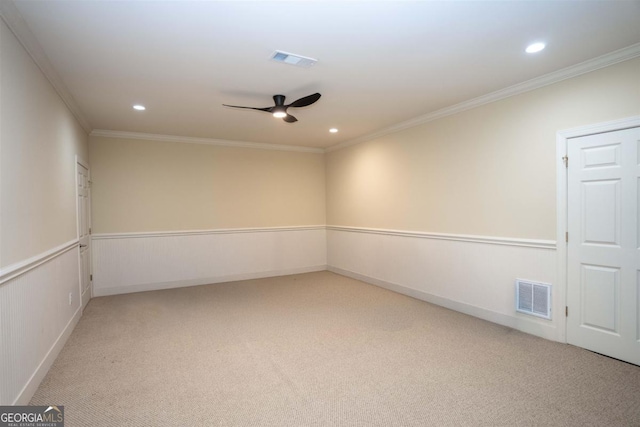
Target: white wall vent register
{"x":292,"y":59}
{"x":533,"y":298}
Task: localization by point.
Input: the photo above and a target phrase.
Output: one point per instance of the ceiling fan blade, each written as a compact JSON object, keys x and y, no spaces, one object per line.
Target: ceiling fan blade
{"x":250,"y":108}
{"x":289,"y":119}
{"x":307,"y":100}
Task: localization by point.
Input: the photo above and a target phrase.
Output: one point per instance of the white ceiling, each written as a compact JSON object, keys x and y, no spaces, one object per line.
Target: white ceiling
{"x":380,"y":63}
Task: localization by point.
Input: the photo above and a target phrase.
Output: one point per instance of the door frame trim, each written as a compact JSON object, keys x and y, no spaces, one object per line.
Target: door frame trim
{"x":562,"y":202}
{"x":80,"y":161}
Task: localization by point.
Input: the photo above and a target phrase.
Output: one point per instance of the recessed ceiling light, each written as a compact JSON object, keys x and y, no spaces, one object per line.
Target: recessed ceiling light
{"x":535,"y":47}
{"x":139,"y":107}
{"x":333,"y":130}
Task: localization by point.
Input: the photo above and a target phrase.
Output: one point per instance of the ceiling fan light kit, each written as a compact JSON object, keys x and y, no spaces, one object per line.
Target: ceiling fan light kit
{"x":279,"y":110}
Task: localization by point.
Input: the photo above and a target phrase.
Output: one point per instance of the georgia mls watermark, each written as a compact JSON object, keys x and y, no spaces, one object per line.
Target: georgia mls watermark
{"x":31,"y":416}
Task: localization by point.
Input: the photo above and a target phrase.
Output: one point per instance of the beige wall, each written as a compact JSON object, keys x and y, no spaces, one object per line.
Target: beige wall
{"x":163,"y":186}
{"x":488,"y":171}
{"x":39,"y":139}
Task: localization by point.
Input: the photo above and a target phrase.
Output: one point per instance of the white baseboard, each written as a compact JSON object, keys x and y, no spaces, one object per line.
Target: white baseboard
{"x":32,"y":385}
{"x":203,"y":281}
{"x":515,"y":322}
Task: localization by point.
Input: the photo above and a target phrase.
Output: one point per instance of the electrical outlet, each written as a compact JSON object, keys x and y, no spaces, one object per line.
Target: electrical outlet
{"x":70,"y":298}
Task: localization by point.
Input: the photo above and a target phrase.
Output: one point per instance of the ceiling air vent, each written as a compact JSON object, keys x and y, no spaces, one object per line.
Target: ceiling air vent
{"x":292,"y":59}
{"x":533,"y":298}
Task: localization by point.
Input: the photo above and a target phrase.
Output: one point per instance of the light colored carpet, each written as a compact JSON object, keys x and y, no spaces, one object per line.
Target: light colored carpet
{"x":321,"y":349}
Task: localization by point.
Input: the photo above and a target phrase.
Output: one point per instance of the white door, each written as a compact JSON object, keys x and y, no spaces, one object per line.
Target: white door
{"x":603,"y":296}
{"x":84,"y":230}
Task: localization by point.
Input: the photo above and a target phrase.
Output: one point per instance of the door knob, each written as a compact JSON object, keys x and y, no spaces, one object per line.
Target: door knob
{"x":83,"y":246}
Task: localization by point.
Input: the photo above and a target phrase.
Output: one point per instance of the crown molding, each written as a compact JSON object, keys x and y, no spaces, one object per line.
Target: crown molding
{"x":205,"y":141}
{"x":12,"y":17}
{"x":603,"y":61}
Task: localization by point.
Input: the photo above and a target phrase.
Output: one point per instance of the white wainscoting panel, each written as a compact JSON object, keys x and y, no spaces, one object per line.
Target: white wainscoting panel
{"x":475,"y":275}
{"x":124,"y":263}
{"x":35,"y":321}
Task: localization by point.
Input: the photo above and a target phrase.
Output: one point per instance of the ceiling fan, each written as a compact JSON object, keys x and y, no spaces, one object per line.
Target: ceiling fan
{"x":280,"y":109}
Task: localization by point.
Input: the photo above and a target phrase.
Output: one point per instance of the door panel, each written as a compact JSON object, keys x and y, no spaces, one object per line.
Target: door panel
{"x":603,"y":156}
{"x":603,"y":256}
{"x":600,"y":289}
{"x":601,"y":212}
